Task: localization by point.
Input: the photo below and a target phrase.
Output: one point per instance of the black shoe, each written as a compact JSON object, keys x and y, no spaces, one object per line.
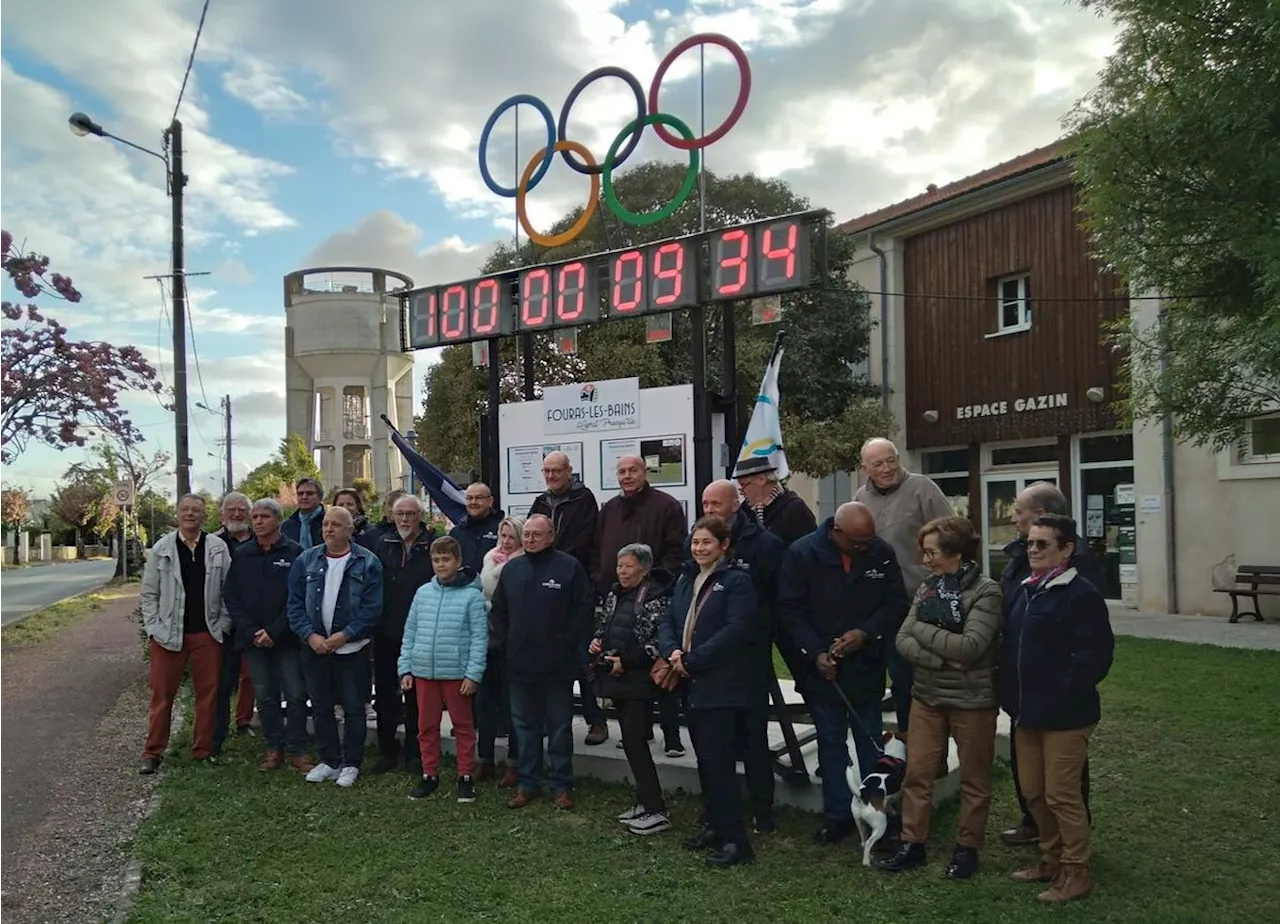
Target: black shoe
{"x":964,"y":863}
{"x":833,"y":833}
{"x":908,"y":856}
{"x":706,"y":839}
{"x":149,"y":765}
{"x":466,"y":789}
{"x":764,"y":824}
{"x":383,"y":765}
{"x":243,"y":731}
{"x":426,"y":786}
{"x":674,"y":747}
{"x":731,"y":854}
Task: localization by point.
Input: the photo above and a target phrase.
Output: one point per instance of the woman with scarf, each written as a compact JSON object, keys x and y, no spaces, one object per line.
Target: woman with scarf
{"x":715,"y":641}
{"x":1057,"y":648}
{"x":951,"y":638}
{"x":492,"y":708}
{"x":625,"y":646}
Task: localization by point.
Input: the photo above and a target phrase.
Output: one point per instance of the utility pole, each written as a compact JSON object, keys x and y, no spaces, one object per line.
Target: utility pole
{"x":182,"y":448}
{"x":226,"y":406}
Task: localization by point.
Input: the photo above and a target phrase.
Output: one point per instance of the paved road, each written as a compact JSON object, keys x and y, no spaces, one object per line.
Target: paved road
{"x":24,"y":590}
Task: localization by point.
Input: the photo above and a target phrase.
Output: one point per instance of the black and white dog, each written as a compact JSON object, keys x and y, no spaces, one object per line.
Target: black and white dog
{"x":876,"y":790}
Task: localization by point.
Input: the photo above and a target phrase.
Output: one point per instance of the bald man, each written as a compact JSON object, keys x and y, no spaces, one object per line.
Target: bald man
{"x":840,"y":596}
{"x":335,"y":597}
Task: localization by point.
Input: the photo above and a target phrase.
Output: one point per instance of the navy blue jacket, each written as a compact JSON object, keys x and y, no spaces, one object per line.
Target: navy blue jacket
{"x":257,"y":591}
{"x":727,"y":662}
{"x":477,"y":537}
{"x":818,"y":602}
{"x":1018,"y":568}
{"x":1057,"y":647}
{"x":542,"y":610}
{"x":292,"y":527}
{"x":758,"y":551}
{"x":359,"y":599}
{"x":403,"y":572}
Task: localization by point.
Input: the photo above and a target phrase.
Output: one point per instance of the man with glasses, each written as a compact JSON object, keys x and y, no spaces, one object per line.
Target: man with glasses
{"x":478,"y":533}
{"x":840,"y":596}
{"x":901,"y":502}
{"x":781,"y":511}
{"x":306,"y":525}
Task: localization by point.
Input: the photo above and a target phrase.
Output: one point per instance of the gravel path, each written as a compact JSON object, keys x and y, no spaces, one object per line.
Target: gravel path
{"x":74,"y":714}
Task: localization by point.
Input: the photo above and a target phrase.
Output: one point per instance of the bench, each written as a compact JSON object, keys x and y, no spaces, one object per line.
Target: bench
{"x":1252,"y":581}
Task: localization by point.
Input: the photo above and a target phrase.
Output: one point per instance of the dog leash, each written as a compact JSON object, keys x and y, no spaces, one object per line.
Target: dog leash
{"x":879,"y":748}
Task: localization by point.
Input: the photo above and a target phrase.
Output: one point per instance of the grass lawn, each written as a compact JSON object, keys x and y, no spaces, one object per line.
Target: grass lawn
{"x":45,"y":622}
{"x":1186,"y":797}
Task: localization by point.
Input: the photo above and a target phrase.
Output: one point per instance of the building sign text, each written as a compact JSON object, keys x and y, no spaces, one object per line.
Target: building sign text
{"x":1019,"y":405}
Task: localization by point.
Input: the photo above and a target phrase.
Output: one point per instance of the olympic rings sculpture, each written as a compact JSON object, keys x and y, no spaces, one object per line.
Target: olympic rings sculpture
{"x":647,"y":113}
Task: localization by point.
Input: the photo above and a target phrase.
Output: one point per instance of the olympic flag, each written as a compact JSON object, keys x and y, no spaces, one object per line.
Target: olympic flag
{"x":762,"y":446}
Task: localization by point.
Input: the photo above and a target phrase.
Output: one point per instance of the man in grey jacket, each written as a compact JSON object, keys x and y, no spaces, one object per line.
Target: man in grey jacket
{"x":186,"y":621}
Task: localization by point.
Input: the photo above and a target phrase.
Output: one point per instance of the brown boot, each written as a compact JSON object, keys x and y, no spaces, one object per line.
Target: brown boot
{"x":1073,"y":882}
{"x":273,"y":761}
{"x":509,"y":779}
{"x":484,"y":772}
{"x":302,"y":763}
{"x":563,"y":801}
{"x":1044,"y":872}
{"x":597,"y":734}
{"x":522,"y":798}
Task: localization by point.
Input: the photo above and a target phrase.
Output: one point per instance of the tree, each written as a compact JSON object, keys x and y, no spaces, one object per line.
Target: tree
{"x":82,"y":503}
{"x":54,"y":386}
{"x":1178,"y":154}
{"x":827,"y":328}
{"x":126,"y":460}
{"x":276,"y":477}
{"x":155,"y":514}
{"x":15,"y":507}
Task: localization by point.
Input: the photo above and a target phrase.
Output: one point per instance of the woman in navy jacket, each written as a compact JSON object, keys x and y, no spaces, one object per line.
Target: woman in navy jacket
{"x":714,"y":638}
{"x":1057,"y":648}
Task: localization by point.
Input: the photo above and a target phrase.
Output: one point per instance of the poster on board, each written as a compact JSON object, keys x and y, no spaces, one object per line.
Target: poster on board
{"x":524,"y":465}
{"x":664,"y":459}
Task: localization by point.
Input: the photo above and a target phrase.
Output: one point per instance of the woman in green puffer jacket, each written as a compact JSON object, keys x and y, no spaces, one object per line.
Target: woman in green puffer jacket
{"x":951,"y":636}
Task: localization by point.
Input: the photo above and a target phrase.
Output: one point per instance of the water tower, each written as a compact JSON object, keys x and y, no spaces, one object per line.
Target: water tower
{"x":344,"y":369}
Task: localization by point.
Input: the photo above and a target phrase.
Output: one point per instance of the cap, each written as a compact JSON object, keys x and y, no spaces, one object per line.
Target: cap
{"x":755,"y":465}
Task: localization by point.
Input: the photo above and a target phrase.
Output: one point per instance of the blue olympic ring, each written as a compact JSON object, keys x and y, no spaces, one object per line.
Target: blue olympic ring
{"x":509,"y":192}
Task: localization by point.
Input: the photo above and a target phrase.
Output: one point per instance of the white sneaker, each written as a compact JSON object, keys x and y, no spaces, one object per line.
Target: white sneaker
{"x":631,"y":814}
{"x":322,"y":773}
{"x":348,"y":775}
{"x":649,"y":823}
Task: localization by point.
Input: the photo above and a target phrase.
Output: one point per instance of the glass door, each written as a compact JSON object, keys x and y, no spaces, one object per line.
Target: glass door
{"x":999,"y":492}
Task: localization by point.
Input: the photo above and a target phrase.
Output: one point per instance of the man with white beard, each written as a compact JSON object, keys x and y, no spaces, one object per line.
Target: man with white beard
{"x":406,"y":566}
{"x":233,"y":511}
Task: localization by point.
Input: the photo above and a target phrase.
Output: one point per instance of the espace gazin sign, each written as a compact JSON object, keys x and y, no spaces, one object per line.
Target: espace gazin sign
{"x":594,"y":406}
{"x":1020,"y":406}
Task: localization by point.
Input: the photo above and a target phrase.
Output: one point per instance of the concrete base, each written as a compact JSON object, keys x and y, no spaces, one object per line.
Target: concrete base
{"x":607,"y":761}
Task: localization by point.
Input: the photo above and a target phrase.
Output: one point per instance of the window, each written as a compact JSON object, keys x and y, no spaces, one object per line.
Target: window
{"x":1024,"y":455}
{"x":949,"y":470}
{"x":1013,"y":294}
{"x":1261,"y":441}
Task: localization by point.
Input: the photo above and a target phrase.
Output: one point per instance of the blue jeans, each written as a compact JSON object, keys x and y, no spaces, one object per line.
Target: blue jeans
{"x":538,"y":710}
{"x":833,"y":724}
{"x":277,"y":674}
{"x":344,"y":679}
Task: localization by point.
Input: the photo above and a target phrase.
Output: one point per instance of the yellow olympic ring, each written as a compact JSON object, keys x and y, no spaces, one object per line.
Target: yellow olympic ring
{"x":557,"y":240}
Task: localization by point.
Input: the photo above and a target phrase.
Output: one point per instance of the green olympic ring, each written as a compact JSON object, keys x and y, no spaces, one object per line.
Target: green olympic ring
{"x":690,"y":177}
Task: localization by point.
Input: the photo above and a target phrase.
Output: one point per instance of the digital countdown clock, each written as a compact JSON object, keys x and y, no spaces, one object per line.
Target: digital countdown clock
{"x":748,"y":261}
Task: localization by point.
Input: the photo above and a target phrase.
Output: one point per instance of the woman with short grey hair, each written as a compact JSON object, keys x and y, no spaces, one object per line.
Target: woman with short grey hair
{"x":625,"y":646}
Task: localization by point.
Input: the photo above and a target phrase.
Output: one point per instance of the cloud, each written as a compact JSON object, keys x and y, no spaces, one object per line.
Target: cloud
{"x":257,"y":83}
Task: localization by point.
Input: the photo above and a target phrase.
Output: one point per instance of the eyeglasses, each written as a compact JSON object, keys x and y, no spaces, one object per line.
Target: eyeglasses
{"x":555,"y":471}
{"x":478,"y":497}
{"x":1040,"y":544}
{"x":883,"y":463}
{"x":930,"y":554}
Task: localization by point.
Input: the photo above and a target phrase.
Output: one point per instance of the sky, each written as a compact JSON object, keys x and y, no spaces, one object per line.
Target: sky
{"x":349,"y":135}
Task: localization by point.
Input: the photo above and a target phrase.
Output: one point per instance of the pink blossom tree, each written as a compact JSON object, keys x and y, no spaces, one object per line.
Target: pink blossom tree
{"x":52,"y":386}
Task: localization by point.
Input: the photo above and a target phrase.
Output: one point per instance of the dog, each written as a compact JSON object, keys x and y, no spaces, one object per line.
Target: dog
{"x":876,"y":791}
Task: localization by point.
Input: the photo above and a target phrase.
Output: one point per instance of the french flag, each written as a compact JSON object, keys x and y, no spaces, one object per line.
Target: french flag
{"x":448,"y":497}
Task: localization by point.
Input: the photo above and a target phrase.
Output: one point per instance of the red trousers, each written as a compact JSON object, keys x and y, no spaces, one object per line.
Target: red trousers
{"x":432,"y":695}
{"x":204,"y":654}
{"x":244,"y":696}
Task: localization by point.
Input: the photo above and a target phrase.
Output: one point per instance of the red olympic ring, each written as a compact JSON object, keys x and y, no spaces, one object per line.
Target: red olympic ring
{"x":739,"y":106}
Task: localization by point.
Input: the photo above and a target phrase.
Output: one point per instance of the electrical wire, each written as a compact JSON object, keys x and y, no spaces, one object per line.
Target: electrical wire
{"x":191,"y":60}
{"x":195,"y":356}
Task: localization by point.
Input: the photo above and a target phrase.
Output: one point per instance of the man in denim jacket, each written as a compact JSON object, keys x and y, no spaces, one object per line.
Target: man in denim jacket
{"x":335,"y":595}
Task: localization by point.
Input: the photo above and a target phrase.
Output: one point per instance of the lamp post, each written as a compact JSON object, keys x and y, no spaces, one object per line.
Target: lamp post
{"x":225,"y":413}
{"x":82,"y":125}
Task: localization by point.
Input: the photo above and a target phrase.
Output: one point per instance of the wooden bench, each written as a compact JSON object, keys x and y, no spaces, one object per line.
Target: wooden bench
{"x":1252,"y":581}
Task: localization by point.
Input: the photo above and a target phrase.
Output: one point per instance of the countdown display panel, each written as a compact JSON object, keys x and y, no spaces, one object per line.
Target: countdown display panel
{"x":748,"y":261}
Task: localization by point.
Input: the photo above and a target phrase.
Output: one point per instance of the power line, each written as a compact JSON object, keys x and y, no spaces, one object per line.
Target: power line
{"x":195,"y":354}
{"x":191,"y":60}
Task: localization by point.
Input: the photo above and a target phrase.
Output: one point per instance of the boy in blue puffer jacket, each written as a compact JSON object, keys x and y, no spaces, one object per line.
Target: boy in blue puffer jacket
{"x":442,"y":658}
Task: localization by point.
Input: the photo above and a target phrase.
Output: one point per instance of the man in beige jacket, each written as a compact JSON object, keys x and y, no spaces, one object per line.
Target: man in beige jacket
{"x":186,"y":622}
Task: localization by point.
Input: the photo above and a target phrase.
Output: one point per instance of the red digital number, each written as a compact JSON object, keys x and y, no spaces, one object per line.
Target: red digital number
{"x":484,"y":307}
{"x":674,"y":273}
{"x":453,"y":317}
{"x":732,"y":249}
{"x":571,"y":297}
{"x":773,"y":254}
{"x":628,"y":281}
{"x":535,"y":298}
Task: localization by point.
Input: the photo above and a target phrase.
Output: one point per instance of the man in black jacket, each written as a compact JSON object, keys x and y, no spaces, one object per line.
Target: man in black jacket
{"x":306,"y":525}
{"x":841,"y":595}
{"x":233,"y":679}
{"x":478,"y":533}
{"x":406,"y":565}
{"x":542,"y":609}
{"x":256,"y":593}
{"x":1035,"y":499}
{"x":573,"y":512}
{"x":781,"y":511}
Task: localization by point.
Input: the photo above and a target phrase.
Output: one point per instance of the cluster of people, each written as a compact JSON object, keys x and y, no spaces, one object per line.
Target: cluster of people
{"x":499,"y":620}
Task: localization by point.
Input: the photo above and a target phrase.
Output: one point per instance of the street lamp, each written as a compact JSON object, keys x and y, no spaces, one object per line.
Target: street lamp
{"x":82,"y":125}
{"x":225,"y":413}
